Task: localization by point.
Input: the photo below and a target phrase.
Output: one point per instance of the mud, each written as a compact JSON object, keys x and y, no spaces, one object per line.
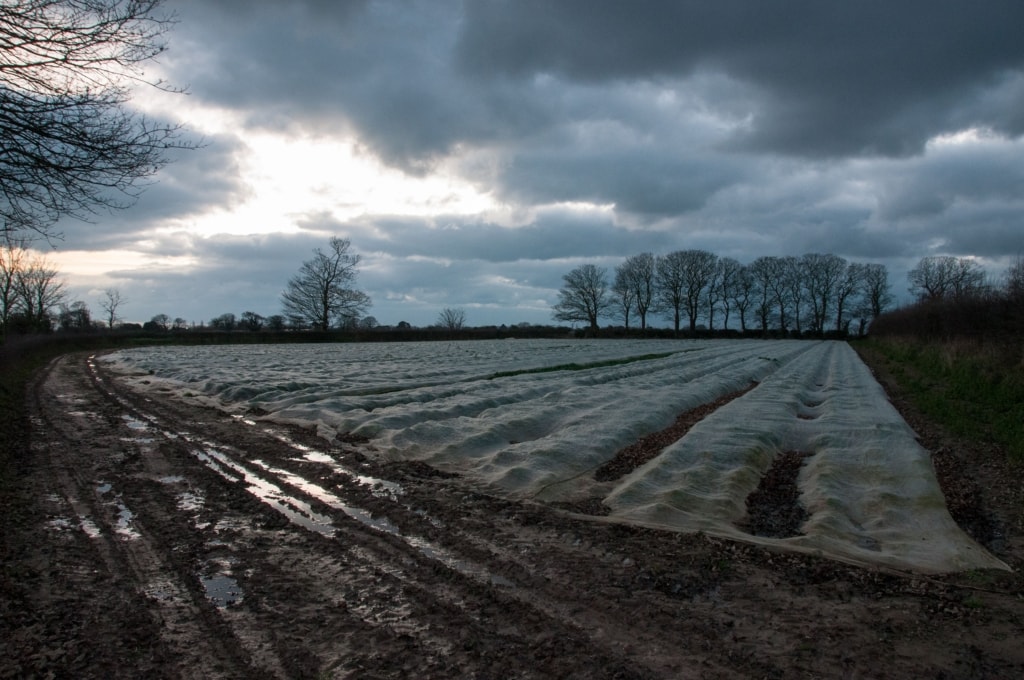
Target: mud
{"x":146,"y":538}
{"x":774,"y":508}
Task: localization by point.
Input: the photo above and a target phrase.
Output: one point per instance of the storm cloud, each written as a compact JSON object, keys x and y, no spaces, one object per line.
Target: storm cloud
{"x":877,"y":131}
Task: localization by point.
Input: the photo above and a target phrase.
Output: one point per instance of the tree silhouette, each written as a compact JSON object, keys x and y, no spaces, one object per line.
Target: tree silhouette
{"x":112,"y":299}
{"x":68,"y":143}
{"x":321,"y":294}
{"x":452,"y":319}
{"x":584,"y":297}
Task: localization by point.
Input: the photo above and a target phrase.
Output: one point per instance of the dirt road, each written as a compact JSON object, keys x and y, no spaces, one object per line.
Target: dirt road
{"x":147,"y":538}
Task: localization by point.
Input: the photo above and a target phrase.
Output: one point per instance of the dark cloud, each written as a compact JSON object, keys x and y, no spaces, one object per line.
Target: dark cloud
{"x":879,"y":131}
{"x":835,"y":79}
{"x":550,"y":237}
{"x":193,"y":183}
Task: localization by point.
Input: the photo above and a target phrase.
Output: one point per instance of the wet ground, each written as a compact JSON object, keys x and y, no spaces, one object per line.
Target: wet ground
{"x":146,"y":538}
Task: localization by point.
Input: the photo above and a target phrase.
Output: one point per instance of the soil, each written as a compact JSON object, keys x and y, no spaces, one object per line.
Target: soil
{"x":144,"y":537}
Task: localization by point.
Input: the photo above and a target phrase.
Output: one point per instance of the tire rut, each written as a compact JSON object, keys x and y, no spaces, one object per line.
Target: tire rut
{"x":389,"y":578}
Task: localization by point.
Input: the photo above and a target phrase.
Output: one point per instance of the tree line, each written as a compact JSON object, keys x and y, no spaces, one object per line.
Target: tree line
{"x":956,"y":300}
{"x":322,"y":296}
{"x":811,"y":294}
{"x":814,"y":293}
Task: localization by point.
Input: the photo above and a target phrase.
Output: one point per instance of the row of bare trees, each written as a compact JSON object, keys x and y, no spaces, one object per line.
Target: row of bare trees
{"x":813,"y":293}
{"x":943,"y":277}
{"x":34,"y":298}
{"x":956,"y":299}
{"x":29,"y":289}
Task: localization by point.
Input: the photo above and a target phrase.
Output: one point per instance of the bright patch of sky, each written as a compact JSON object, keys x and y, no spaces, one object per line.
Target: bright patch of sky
{"x":474,"y":153}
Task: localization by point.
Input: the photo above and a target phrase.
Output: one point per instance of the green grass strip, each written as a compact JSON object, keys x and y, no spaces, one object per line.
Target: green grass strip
{"x":974,"y":391}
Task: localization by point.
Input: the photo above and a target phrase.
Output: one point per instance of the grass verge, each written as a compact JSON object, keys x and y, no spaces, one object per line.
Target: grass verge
{"x":973,"y":389}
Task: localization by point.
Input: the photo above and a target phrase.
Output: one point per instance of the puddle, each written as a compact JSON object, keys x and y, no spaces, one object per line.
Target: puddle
{"x":60,"y":523}
{"x":141,"y":442}
{"x":191,"y":501}
{"x":382,"y":524}
{"x":125,"y":517}
{"x":230,"y":524}
{"x":171,"y":479}
{"x":221,"y":588}
{"x":329,"y":499}
{"x":296,"y":511}
{"x":134,"y":423}
{"x":382,"y":488}
{"x":89,"y":527}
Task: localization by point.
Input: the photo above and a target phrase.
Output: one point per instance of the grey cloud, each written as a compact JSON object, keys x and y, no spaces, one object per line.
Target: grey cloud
{"x":640,"y":181}
{"x":976,"y":172}
{"x":382,"y":68}
{"x":744,"y":127}
{"x":552,"y":236}
{"x":193,"y":183}
{"x":835,"y":78}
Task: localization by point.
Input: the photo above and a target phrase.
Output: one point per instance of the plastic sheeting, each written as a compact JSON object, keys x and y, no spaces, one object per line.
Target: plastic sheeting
{"x":868,"y":487}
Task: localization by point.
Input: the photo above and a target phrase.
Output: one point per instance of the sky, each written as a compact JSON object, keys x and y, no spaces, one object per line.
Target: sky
{"x":475,"y":151}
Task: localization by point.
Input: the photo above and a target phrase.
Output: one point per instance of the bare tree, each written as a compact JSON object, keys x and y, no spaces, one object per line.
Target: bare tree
{"x":452,"y":319}
{"x":876,"y":289}
{"x":793,"y":294}
{"x":38,"y":290}
{"x":160,"y":322}
{"x":940,"y":277}
{"x":584,"y":297}
{"x":251,"y":321}
{"x":111,"y":301}
{"x":68,"y":142}
{"x":75,"y":317}
{"x":969,"y":279}
{"x":321,"y":294}
{"x":12,"y":258}
{"x":821,"y":275}
{"x":851,"y":281}
{"x":765,"y":272}
{"x":683,"y":276}
{"x":670,"y":286}
{"x":742,"y":295}
{"x":713,"y":293}
{"x":727,"y":279}
{"x":638,"y":272}
{"x":224,"y":322}
{"x":623,"y":295}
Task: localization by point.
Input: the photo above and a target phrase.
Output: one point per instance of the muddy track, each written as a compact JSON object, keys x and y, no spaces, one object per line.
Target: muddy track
{"x":162,"y":540}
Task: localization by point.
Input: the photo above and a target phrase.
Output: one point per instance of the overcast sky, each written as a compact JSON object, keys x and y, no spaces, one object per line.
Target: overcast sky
{"x":474,"y":152}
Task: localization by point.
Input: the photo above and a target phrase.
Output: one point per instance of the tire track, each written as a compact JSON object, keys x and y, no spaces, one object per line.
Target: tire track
{"x":131,"y":557}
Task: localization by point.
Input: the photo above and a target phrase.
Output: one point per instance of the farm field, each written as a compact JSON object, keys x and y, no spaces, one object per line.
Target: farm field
{"x":609,"y":509}
{"x":495,"y":413}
